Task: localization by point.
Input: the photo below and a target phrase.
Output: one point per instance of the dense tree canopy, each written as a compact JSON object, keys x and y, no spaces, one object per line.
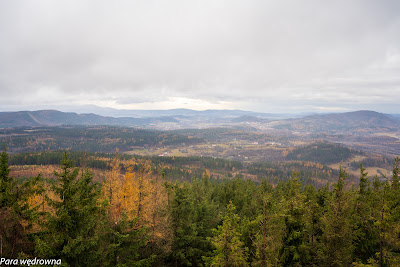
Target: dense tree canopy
{"x":136,"y":217}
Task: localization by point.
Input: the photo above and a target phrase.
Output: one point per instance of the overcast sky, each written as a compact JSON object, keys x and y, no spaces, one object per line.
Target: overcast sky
{"x":268,"y":56}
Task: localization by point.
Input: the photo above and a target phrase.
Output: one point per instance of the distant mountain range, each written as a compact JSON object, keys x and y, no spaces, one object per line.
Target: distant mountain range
{"x":112,"y":112}
{"x":247,"y":118}
{"x":186,"y":118}
{"x":58,"y":118}
{"x":363,"y":120}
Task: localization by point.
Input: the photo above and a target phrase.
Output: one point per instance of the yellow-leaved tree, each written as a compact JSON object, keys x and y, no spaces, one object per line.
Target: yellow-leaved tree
{"x":111,"y":189}
{"x":144,"y":196}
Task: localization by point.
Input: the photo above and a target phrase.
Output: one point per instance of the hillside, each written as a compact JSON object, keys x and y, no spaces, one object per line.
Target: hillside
{"x":357,"y":121}
{"x":58,"y":118}
{"x":324,"y":153}
{"x":247,"y":118}
{"x":88,"y":138}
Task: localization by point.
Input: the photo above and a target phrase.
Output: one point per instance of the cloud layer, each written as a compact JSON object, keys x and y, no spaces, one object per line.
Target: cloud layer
{"x":255,"y":55}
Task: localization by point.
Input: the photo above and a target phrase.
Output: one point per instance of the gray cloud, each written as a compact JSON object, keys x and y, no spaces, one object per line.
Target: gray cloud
{"x":258,"y":55}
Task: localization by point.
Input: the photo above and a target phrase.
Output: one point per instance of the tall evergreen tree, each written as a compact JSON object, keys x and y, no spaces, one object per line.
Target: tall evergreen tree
{"x":16,"y":216}
{"x":121,"y":243}
{"x":366,"y":232}
{"x":292,"y":246}
{"x":70,"y":232}
{"x":392,"y":232}
{"x":205,"y":217}
{"x":184,"y":249}
{"x":6,"y":182}
{"x":230,"y":250}
{"x":267,"y":239}
{"x":312,"y":228}
{"x":336,"y":247}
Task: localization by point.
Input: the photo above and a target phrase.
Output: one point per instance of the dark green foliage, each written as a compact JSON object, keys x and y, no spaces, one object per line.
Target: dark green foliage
{"x":230,"y":250}
{"x":266,"y":229}
{"x":324,"y":153}
{"x":282,"y":171}
{"x":391,"y":224}
{"x":336,"y":246}
{"x":377,"y":161}
{"x":364,"y":220}
{"x":121,"y":244}
{"x":191,"y":221}
{"x":16,"y":216}
{"x":182,"y":227}
{"x":314,"y":203}
{"x":70,"y":233}
{"x":78,"y":158}
{"x":6,"y":182}
{"x":292,"y":249}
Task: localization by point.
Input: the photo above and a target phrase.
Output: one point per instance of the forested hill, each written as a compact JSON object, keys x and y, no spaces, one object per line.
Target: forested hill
{"x":325,"y":153}
{"x":357,"y":121}
{"x":131,"y":118}
{"x":89,"y":138}
{"x":57,"y":118}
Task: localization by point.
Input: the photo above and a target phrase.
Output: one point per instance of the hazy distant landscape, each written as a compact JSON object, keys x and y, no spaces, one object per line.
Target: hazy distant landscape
{"x":363,"y":130}
{"x":233,"y":135}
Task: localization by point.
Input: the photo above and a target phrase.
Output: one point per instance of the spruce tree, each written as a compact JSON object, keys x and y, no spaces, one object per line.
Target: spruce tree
{"x":183,"y":228}
{"x":366,"y":232}
{"x":336,"y":247}
{"x":70,"y":231}
{"x":16,"y":217}
{"x":205,"y":218}
{"x":391,"y":234}
{"x":6,"y":182}
{"x":292,"y":249}
{"x":230,"y":250}
{"x":121,"y":243}
{"x":312,"y":228}
{"x":267,"y":238}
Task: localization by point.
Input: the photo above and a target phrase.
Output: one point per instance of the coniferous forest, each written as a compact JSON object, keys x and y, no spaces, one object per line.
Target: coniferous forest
{"x":138,"y":217}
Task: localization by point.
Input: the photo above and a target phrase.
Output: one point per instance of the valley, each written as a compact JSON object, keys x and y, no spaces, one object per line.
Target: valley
{"x":316,"y":146}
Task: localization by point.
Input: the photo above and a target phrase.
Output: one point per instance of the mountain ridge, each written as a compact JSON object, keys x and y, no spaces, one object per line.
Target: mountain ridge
{"x":192,"y":119}
{"x":355,"y":120}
